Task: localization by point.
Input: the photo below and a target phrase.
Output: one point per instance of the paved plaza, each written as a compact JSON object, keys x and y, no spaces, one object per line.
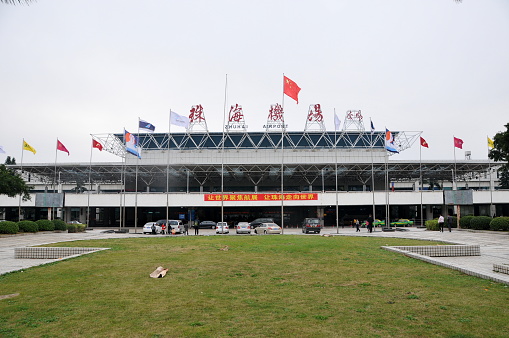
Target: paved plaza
{"x":494,"y":246}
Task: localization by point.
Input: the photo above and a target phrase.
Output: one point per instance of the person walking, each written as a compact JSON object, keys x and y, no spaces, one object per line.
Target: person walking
{"x":357,"y":225}
{"x":369,"y":223}
{"x":449,"y":222}
{"x":441,"y":223}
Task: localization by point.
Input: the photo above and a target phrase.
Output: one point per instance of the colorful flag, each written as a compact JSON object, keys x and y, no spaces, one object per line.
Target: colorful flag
{"x":146,"y":126}
{"x":2,"y":151}
{"x":491,"y":144}
{"x":392,"y":186}
{"x":424,"y":143}
{"x":97,"y":145}
{"x":61,"y":147}
{"x":458,"y":143}
{"x":389,"y":142}
{"x":337,"y":122}
{"x":372,"y":127}
{"x":131,"y":143}
{"x":291,"y":89}
{"x":179,"y":120}
{"x":28,"y":147}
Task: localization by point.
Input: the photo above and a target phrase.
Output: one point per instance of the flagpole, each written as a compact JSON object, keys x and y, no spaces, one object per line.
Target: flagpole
{"x":122,"y":185}
{"x":136,"y":184}
{"x":491,"y":190}
{"x":372,"y":169}
{"x":222,"y":152}
{"x":454,"y":172}
{"x":336,"y":170}
{"x":90,"y":185}
{"x":420,"y":181}
{"x":19,"y":203}
{"x":282,"y":157}
{"x":387,"y":207}
{"x":168,"y":173}
{"x":54,"y":180}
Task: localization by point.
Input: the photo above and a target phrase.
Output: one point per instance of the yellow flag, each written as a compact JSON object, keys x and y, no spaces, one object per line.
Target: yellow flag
{"x":28,"y":147}
{"x":490,"y":143}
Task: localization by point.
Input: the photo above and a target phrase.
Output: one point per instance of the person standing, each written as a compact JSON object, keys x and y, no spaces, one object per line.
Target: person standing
{"x":441,"y":223}
{"x":449,"y":222}
{"x":369,"y":223}
{"x":357,"y":225}
{"x":186,"y":228}
{"x":196,"y":228}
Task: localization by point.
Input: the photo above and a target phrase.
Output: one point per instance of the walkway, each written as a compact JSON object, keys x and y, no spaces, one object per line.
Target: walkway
{"x":494,"y":246}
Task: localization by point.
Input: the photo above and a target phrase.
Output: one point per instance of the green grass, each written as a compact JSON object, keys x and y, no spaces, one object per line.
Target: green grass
{"x":303,"y":286}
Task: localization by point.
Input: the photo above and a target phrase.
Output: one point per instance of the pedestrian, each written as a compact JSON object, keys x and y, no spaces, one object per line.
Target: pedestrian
{"x":449,"y":222}
{"x":196,"y":228}
{"x":357,"y":225}
{"x":369,"y":223}
{"x":163,"y":228}
{"x":186,"y":228}
{"x":441,"y":223}
{"x":153,"y":228}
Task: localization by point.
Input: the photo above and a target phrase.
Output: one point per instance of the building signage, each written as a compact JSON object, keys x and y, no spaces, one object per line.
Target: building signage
{"x":260,"y":197}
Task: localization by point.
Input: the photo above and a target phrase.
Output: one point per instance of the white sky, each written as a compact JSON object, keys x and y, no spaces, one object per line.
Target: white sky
{"x":69,"y":69}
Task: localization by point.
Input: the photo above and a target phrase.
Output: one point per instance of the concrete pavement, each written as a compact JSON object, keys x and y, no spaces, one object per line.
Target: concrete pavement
{"x":494,"y":246}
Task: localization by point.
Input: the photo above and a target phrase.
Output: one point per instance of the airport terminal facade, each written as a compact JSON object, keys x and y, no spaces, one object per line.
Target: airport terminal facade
{"x":240,"y":175}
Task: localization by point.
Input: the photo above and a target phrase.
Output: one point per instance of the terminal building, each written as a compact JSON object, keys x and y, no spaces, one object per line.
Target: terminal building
{"x":236,"y":175}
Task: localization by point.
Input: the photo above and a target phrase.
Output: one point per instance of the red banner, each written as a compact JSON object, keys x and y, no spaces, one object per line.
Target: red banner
{"x":260,"y":197}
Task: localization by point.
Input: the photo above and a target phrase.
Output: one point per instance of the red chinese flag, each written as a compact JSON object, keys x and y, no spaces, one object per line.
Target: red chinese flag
{"x":458,"y":143}
{"x":61,"y":147}
{"x":424,"y":143}
{"x":97,"y":145}
{"x":291,"y":89}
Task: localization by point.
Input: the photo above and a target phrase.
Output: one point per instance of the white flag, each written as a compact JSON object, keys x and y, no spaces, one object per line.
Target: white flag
{"x":179,"y":120}
{"x":2,"y":151}
{"x":337,"y":122}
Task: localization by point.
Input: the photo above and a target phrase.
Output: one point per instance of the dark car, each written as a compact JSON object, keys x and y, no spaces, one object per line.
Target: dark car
{"x":207,"y":225}
{"x":259,"y":221}
{"x":311,"y":225}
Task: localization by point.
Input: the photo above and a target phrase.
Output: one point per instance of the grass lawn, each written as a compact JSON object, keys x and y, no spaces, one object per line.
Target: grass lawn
{"x":301,"y":286}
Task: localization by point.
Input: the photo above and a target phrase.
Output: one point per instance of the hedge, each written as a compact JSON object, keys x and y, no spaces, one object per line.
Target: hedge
{"x":45,"y":225}
{"x":28,"y":226}
{"x":498,"y":224}
{"x":81,"y":227}
{"x":465,"y":222}
{"x":71,"y":228}
{"x":432,"y":225}
{"x":8,"y":227}
{"x":480,"y":222}
{"x":59,"y":224}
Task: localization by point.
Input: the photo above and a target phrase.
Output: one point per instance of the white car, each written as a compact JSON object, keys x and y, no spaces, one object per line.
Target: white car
{"x":147,"y":228}
{"x":243,"y":228}
{"x":177,"y":225}
{"x":268,"y":228}
{"x":222,"y":228}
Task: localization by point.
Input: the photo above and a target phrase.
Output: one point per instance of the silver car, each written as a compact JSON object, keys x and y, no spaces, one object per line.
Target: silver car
{"x":268,"y":228}
{"x":243,"y":228}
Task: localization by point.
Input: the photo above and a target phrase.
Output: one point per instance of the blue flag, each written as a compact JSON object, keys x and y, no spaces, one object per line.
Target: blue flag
{"x":372,"y":127}
{"x":131,"y":143}
{"x":146,"y":126}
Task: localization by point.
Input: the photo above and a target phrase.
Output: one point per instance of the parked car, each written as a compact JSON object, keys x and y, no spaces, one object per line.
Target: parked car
{"x":259,"y":221}
{"x":74,"y":222}
{"x":268,"y":228}
{"x":311,"y":225}
{"x":402,"y":222}
{"x":243,"y":228}
{"x":172,"y":224}
{"x":222,"y":228}
{"x":207,"y":225}
{"x":147,"y":228}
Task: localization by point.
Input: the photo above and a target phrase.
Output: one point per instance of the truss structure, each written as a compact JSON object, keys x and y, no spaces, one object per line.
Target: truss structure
{"x":197,"y":119}
{"x":314,"y":120}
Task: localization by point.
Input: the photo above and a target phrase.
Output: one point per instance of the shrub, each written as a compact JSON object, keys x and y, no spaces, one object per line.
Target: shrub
{"x":45,"y":225}
{"x":498,"y":224}
{"x":480,"y":222}
{"x":454,"y":221}
{"x":71,"y":228}
{"x":59,"y":224}
{"x":28,"y":226}
{"x":465,"y":222}
{"x":81,"y":227}
{"x":432,"y":225}
{"x":8,"y":227}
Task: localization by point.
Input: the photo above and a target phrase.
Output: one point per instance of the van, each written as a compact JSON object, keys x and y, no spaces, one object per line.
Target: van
{"x":311,"y":225}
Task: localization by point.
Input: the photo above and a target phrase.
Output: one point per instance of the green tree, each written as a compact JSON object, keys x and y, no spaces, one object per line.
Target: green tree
{"x":11,"y":184}
{"x":10,"y":160}
{"x":500,"y":153}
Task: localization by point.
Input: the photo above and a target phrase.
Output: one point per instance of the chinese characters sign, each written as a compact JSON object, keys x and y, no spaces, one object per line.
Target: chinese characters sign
{"x":261,"y":197}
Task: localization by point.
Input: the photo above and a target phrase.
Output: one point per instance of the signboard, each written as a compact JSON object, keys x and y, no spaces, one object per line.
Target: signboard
{"x":49,"y":200}
{"x":260,"y":197}
{"x":459,"y":197}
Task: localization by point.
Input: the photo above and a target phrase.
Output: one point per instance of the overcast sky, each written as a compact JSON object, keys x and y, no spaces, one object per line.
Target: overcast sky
{"x":69,"y":69}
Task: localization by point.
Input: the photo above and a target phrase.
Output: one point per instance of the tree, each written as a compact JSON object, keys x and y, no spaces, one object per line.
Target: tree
{"x":500,"y":153}
{"x":10,"y":160}
{"x":11,"y":184}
